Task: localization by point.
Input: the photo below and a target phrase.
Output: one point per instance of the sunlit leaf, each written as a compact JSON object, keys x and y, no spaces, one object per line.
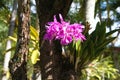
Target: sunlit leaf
{"x":13,"y":38}
{"x":35,"y":56}
{"x":34,"y":32}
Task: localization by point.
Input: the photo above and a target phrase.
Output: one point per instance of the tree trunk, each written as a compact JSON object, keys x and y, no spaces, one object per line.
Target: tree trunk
{"x":89,"y":13}
{"x":8,"y":46}
{"x":51,"y":61}
{"x":18,"y":63}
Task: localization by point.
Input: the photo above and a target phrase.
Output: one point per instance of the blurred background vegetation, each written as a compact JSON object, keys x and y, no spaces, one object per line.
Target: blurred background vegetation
{"x":99,"y":55}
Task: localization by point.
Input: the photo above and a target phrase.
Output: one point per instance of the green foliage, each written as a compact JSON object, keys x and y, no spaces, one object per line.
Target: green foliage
{"x":34,"y":45}
{"x":4,"y":17}
{"x":85,"y":53}
{"x":100,"y":69}
{"x":96,"y":43}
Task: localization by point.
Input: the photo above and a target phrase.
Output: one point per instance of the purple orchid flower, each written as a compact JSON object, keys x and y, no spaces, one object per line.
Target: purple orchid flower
{"x":64,"y":31}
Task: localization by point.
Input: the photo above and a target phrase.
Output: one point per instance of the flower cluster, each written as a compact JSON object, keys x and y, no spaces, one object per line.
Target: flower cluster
{"x":64,"y":31}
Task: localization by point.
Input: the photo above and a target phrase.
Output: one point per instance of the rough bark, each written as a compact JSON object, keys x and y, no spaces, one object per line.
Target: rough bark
{"x":51,"y":61}
{"x":8,"y":46}
{"x":18,"y":63}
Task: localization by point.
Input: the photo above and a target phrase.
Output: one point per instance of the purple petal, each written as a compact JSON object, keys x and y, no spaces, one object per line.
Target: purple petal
{"x":61,"y":18}
{"x":55,"y":20}
{"x":66,"y":40}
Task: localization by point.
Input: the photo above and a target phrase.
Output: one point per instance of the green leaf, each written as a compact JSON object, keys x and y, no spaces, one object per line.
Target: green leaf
{"x":78,"y":47}
{"x":13,"y":38}
{"x":91,"y":47}
{"x":34,"y":33}
{"x":106,"y":41}
{"x":100,"y":31}
{"x":111,"y":32}
{"x":35,"y":56}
